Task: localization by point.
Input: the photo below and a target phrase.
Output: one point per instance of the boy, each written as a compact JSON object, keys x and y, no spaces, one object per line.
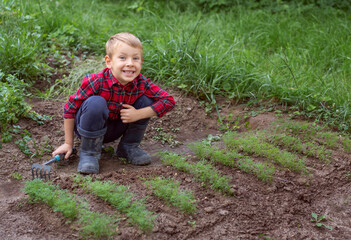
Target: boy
{"x":118,"y":101}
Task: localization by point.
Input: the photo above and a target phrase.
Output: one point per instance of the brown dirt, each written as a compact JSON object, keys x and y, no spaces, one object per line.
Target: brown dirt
{"x":278,"y":210}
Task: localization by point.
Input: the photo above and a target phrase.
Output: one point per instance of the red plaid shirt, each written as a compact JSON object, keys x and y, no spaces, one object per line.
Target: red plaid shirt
{"x":105,"y":85}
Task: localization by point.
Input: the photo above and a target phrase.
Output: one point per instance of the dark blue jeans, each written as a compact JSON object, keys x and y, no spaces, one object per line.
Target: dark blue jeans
{"x":93,"y":114}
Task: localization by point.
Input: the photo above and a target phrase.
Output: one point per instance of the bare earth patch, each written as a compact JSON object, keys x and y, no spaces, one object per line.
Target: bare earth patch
{"x":278,"y":210}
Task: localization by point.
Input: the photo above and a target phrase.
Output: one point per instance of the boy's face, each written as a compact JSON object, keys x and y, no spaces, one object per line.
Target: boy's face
{"x":125,"y":63}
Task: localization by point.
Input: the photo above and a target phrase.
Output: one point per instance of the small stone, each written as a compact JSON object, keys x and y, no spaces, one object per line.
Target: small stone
{"x":223,"y":212}
{"x":209,"y":209}
{"x":188,"y":179}
{"x":302,"y":180}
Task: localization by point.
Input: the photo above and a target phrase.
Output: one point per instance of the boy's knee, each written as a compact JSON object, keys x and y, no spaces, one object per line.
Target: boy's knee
{"x":97,"y":104}
{"x":96,"y":101}
{"x":142,"y":102}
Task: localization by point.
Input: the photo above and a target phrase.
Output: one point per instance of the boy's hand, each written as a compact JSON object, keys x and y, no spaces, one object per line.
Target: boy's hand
{"x":65,"y":149}
{"x":129,"y":114}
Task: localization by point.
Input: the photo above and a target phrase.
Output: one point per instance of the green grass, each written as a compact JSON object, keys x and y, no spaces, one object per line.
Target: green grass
{"x":297,"y":53}
{"x":122,"y":199}
{"x":93,"y":225}
{"x":168,"y":190}
{"x":204,"y":172}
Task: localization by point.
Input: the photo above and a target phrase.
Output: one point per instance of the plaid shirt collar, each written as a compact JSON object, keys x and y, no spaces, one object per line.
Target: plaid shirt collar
{"x":113,"y":81}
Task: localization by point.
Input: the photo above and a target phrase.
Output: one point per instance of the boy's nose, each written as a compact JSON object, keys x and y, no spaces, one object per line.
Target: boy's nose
{"x":129,"y":61}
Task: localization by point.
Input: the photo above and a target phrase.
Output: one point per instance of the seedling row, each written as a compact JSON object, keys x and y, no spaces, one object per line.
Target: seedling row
{"x":256,"y":153}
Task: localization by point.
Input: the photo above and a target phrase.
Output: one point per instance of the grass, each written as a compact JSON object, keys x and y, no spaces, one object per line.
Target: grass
{"x":122,"y":199}
{"x":294,"y":52}
{"x":168,"y":190}
{"x":204,"y":172}
{"x":93,"y":225}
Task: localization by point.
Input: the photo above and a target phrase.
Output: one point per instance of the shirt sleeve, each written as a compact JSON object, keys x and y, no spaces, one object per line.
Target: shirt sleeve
{"x":163,"y":101}
{"x":88,"y":88}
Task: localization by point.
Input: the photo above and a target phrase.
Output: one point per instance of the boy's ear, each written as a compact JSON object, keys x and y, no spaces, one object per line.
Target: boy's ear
{"x":108,"y":61}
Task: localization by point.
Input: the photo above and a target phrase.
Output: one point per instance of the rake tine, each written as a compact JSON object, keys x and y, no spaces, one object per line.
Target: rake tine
{"x":35,"y":168}
{"x":43,"y":171}
{"x":40,"y":171}
{"x":46,"y":170}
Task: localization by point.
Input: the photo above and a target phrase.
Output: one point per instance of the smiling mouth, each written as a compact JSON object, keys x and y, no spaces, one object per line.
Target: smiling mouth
{"x":128,"y":72}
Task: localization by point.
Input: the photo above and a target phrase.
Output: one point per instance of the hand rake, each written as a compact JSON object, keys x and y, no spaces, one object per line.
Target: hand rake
{"x":43,"y":170}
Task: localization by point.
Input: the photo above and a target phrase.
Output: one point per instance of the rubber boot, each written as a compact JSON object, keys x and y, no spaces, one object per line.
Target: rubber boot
{"x":90,"y":150}
{"x":129,"y":145}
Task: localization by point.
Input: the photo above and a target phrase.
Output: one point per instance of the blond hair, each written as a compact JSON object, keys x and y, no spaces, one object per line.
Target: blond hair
{"x":124,"y":37}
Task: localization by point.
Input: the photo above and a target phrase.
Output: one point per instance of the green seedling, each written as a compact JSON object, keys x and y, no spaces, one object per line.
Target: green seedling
{"x":110,"y":150}
{"x":232,"y":158}
{"x":17,"y":176}
{"x":192,"y":223}
{"x":169,"y":191}
{"x":318,"y":221}
{"x":314,"y":132}
{"x":252,"y":144}
{"x":122,"y":199}
{"x":92,"y":225}
{"x":204,"y":172}
{"x":265,"y":237}
{"x":311,"y":149}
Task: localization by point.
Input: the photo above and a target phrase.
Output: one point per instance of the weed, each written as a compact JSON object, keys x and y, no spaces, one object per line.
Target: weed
{"x":12,"y":102}
{"x":164,"y":138}
{"x":318,"y":221}
{"x":22,"y":145}
{"x":168,"y":190}
{"x":40,"y":119}
{"x":210,"y":139}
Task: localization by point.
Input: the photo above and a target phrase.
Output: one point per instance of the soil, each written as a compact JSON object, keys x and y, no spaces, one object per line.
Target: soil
{"x":278,"y":210}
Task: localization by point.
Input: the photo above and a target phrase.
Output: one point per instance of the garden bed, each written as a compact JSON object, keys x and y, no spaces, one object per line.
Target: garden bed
{"x":264,"y":199}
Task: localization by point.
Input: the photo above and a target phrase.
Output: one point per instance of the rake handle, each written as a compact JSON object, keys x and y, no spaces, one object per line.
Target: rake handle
{"x":55,"y":159}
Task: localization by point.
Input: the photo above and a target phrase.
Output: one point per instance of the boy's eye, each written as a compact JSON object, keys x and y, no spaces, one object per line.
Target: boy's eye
{"x":136,"y":59}
{"x":121,"y":57}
